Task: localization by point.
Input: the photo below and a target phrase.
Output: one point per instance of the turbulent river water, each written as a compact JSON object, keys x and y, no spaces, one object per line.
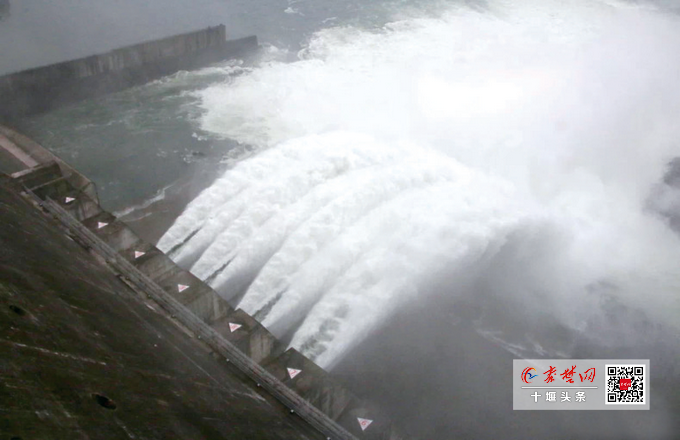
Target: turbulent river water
{"x":429,"y":147}
{"x":498,"y":164}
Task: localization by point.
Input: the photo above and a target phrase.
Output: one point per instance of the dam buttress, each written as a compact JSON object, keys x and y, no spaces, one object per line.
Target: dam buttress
{"x":104,"y":336}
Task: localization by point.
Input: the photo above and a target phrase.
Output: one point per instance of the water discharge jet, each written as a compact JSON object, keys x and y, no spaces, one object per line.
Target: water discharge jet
{"x":542,"y":106}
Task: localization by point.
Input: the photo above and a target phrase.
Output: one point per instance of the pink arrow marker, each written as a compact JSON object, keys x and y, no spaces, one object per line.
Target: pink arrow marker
{"x":182,"y":287}
{"x":101,"y":225}
{"x":364,"y":423}
{"x":233,"y":327}
{"x":139,"y":254}
{"x":292,"y":372}
{"x":68,"y":199}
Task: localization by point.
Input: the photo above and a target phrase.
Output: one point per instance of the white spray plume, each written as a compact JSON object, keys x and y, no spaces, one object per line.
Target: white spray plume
{"x":423,"y":149}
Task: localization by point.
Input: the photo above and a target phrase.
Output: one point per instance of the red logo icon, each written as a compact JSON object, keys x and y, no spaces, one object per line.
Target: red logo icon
{"x":527,"y":372}
{"x":624,"y":384}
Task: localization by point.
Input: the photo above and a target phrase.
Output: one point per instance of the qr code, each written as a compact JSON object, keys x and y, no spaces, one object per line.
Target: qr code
{"x":626,"y":384}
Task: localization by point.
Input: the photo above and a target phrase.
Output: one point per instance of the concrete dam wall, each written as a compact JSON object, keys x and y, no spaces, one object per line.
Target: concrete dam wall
{"x":234,"y":337}
{"x":42,"y":89}
{"x":83,"y":356}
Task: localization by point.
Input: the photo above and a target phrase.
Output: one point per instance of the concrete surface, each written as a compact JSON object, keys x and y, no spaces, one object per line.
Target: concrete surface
{"x":319,"y":399}
{"x":22,"y":146}
{"x":42,"y":89}
{"x":81,"y":357}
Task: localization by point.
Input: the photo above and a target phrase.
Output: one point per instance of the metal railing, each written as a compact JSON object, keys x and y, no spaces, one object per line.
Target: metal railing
{"x":262,"y":377}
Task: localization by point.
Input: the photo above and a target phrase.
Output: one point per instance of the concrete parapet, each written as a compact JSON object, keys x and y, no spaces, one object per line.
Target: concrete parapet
{"x":194,"y":294}
{"x":83,"y":357}
{"x":380,"y":427}
{"x":98,"y":222}
{"x":43,"y":157}
{"x":118,"y":236}
{"x":45,"y":88}
{"x":47,"y":181}
{"x":313,"y":383}
{"x":79,"y":205}
{"x":313,"y":387}
{"x":155,"y":264}
{"x":54,"y":189}
{"x":39,"y":175}
{"x":181,"y":284}
{"x":251,"y":337}
{"x":220,"y":307}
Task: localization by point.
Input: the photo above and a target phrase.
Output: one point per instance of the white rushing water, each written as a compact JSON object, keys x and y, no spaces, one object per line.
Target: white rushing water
{"x":392,"y":157}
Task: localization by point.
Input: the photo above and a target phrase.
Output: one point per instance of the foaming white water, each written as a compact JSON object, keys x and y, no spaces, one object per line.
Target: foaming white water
{"x":423,"y":149}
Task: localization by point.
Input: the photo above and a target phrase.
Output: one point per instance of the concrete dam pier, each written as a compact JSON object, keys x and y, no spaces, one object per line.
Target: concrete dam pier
{"x":104,"y":336}
{"x":42,"y":89}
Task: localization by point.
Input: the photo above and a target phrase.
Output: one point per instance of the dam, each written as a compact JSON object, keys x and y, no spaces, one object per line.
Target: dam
{"x":545,"y":98}
{"x":105,"y":333}
{"x":42,"y":89}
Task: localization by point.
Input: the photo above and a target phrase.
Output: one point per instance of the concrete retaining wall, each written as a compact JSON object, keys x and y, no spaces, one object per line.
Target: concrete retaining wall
{"x":250,"y":337}
{"x":85,"y":356}
{"x":45,"y":88}
{"x":43,"y":157}
{"x":313,"y":384}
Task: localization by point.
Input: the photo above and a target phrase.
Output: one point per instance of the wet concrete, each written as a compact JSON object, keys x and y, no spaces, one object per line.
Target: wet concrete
{"x":81,"y":356}
{"x":64,"y":195}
